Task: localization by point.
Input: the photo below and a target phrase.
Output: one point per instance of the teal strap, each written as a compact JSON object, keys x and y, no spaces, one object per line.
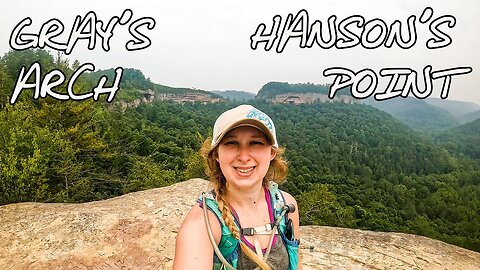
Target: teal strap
{"x":278,"y":202}
{"x":228,"y":243}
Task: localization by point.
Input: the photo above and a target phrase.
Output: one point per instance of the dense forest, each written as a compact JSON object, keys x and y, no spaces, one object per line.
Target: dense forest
{"x":351,"y":165}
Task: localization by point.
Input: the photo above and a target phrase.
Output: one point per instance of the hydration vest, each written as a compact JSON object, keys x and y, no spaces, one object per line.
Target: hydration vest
{"x":229,"y":246}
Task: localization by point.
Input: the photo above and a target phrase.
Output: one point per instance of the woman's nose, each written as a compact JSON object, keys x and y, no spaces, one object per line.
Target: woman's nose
{"x":244,"y":153}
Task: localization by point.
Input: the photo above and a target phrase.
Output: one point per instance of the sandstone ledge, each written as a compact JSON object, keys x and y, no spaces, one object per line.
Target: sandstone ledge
{"x":137,"y":231}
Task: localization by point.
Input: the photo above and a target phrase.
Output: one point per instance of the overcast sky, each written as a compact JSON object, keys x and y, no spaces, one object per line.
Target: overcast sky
{"x":206,"y":44}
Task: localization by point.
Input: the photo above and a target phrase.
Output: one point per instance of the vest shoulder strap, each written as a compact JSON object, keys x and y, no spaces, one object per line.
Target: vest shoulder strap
{"x":228,"y":242}
{"x":278,"y":201}
{"x":229,"y":245}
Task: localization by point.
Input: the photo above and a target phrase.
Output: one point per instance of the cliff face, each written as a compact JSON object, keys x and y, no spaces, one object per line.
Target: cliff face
{"x":301,"y":98}
{"x":137,"y":231}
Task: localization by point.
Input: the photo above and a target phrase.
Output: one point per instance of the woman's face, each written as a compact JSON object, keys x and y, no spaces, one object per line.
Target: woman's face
{"x":244,"y":155}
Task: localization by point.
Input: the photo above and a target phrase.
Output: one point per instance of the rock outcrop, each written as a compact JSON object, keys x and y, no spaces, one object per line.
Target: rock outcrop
{"x":137,"y":231}
{"x":307,"y":97}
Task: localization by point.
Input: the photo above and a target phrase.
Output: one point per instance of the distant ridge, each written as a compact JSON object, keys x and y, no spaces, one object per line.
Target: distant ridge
{"x":135,"y":89}
{"x":271,"y":89}
{"x":416,"y":113}
{"x":469,"y":117}
{"x":431,"y":114}
{"x":454,"y":107}
{"x":235,"y":95}
{"x":301,"y":93}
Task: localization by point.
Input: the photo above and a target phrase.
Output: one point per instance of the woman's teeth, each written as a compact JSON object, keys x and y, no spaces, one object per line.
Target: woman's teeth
{"x":245,"y":170}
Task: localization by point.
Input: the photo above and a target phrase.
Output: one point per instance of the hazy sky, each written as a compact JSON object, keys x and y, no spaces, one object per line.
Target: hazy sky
{"x":206,"y":44}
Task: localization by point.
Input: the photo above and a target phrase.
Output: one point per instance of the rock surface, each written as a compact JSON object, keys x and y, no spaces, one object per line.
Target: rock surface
{"x":137,"y":231}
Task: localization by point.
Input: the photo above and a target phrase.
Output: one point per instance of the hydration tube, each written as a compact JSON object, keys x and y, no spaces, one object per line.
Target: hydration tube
{"x":286,"y":209}
{"x":210,"y":235}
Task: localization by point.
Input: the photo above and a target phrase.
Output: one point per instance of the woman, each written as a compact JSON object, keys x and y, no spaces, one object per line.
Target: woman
{"x":244,"y":165}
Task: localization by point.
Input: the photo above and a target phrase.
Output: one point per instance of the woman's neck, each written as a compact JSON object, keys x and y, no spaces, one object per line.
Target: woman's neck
{"x":246,"y":198}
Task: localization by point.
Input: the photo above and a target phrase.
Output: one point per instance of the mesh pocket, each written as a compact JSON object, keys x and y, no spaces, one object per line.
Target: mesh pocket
{"x":292,"y":249}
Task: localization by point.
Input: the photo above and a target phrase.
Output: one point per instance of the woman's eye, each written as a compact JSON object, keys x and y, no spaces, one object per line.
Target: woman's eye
{"x":257,"y":142}
{"x":231,"y":142}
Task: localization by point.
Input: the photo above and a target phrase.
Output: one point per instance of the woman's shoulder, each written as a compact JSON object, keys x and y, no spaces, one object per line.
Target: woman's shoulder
{"x":195,"y":219}
{"x":193,"y":248}
{"x":193,"y":234}
{"x":193,"y":223}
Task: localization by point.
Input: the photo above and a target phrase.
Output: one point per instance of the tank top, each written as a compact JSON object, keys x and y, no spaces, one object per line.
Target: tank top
{"x":278,"y":257}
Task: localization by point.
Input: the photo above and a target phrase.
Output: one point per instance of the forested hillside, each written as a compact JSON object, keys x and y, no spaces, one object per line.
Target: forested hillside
{"x":416,"y":113}
{"x":461,"y":140}
{"x":351,"y":165}
{"x":354,"y":166}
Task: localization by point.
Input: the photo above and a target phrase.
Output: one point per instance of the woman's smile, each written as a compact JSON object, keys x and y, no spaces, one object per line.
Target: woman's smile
{"x":245,"y":170}
{"x":244,"y":155}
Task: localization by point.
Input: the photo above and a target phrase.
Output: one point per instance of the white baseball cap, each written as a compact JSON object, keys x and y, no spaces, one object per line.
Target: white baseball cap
{"x":243,"y":115}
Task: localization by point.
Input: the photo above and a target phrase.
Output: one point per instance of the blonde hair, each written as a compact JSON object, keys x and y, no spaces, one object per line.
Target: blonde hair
{"x":277,"y":172}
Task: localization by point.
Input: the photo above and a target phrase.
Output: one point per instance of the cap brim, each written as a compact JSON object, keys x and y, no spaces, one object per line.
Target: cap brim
{"x":248,"y":123}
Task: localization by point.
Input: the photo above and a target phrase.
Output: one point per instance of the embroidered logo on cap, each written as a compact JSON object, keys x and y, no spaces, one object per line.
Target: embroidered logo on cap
{"x":262,"y":117}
